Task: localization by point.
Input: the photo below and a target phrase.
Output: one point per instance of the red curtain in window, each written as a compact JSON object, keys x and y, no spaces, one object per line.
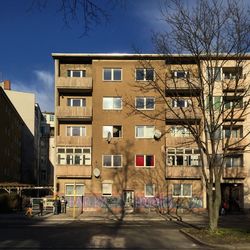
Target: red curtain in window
{"x":140,"y":160}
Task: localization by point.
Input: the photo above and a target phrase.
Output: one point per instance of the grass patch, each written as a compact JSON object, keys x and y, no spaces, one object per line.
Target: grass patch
{"x":221,"y":235}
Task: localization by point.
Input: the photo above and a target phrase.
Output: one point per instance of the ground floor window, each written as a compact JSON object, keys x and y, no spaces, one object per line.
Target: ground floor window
{"x":74,"y":189}
{"x":149,"y":190}
{"x":107,"y":189}
{"x":182,"y":190}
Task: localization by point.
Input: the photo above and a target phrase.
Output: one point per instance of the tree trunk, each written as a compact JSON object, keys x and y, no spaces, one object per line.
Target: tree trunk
{"x":214,"y":202}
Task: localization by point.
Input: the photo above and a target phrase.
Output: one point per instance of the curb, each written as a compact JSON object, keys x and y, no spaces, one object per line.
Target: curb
{"x":218,"y":246}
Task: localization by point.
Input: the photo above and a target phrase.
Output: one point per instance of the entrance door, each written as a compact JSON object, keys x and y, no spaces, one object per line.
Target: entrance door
{"x":128,"y":198}
{"x":233,"y":194}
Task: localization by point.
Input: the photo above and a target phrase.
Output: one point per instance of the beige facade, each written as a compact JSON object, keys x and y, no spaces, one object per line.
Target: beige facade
{"x":108,"y":156}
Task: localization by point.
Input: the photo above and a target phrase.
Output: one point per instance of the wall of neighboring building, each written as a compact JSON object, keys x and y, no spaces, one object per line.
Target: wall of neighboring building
{"x":11,"y":126}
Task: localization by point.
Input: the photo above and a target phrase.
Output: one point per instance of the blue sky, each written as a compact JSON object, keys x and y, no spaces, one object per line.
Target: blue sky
{"x":29,"y":37}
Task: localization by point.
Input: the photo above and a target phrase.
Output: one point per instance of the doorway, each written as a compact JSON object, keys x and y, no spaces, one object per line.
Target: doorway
{"x":233,"y":194}
{"x":128,"y":199}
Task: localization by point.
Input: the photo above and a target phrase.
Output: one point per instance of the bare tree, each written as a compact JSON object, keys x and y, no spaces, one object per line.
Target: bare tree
{"x":203,"y":85}
{"x":87,"y":13}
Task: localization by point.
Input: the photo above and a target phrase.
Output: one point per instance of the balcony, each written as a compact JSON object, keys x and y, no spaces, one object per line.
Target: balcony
{"x":232,"y":84}
{"x":234,"y":173}
{"x":236,"y":114}
{"x":71,"y":171}
{"x":182,"y":83}
{"x":74,"y":140}
{"x":183,"y":172}
{"x":190,"y":113}
{"x":74,"y":113}
{"x":78,"y":83}
{"x":236,"y":142}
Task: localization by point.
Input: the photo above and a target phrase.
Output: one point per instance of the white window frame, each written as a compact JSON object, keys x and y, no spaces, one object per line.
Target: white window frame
{"x":145,"y":190}
{"x":74,"y":188}
{"x":85,"y":157}
{"x":109,"y":186}
{"x":179,"y":131}
{"x":145,"y":74}
{"x":113,"y":101}
{"x":71,"y":100}
{"x":83,"y":130}
{"x":182,"y":189}
{"x":146,"y":131}
{"x":190,"y":157}
{"x":76,"y":70}
{"x":175,"y":74}
{"x":144,"y":102}
{"x":112,"y":75}
{"x":144,"y":160}
{"x":110,"y":128}
{"x":187,"y":103}
{"x":112,"y":161}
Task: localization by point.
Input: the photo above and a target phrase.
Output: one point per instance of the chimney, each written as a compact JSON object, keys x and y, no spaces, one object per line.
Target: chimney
{"x":6,"y":85}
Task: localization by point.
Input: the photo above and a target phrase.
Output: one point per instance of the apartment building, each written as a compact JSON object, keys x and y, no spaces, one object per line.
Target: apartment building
{"x":110,"y":157}
{"x":11,"y":126}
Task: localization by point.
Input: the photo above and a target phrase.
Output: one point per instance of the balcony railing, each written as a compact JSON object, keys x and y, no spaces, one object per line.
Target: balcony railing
{"x":183,"y":84}
{"x":74,"y":140}
{"x":73,"y":171}
{"x":234,"y":172}
{"x":74,"y":112}
{"x":74,"y":82}
{"x":188,"y":172}
{"x":235,"y":113}
{"x":186,"y":113}
{"x":236,"y":142}
{"x":232,"y":84}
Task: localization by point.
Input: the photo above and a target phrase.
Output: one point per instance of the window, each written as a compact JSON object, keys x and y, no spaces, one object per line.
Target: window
{"x":112,"y":161}
{"x":111,"y":74}
{"x":232,"y":72}
{"x":181,"y":103}
{"x":149,"y":190}
{"x":76,"y":131}
{"x":51,"y":118}
{"x":183,"y":157}
{"x":115,"y":131}
{"x":74,"y":156}
{"x":233,"y":132}
{"x":180,"y":74}
{"x":178,"y":131}
{"x":182,"y":190}
{"x":76,"y":73}
{"x":112,"y":103}
{"x":145,"y":103}
{"x":144,"y":161}
{"x":144,"y":131}
{"x":214,"y":74}
{"x":234,"y":161}
{"x":144,"y":74}
{"x":74,"y":190}
{"x":231,"y":102}
{"x":76,"y":102}
{"x":106,"y":189}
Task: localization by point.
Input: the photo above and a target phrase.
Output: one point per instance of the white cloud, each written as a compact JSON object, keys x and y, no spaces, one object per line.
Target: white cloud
{"x":42,"y":85}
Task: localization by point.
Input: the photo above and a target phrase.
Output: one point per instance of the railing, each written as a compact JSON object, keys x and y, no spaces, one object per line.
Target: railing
{"x":74,"y":82}
{"x":183,"y":172}
{"x":74,"y":140}
{"x":74,"y":112}
{"x":73,"y":171}
{"x":234,"y":172}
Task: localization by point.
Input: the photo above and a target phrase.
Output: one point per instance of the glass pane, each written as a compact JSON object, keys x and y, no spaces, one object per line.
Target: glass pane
{"x":107,"y":188}
{"x":107,"y":160}
{"x":69,"y":159}
{"x":108,"y":103}
{"x":77,"y":159}
{"x":117,"y":131}
{"x":180,"y":74}
{"x":69,"y":150}
{"x":139,"y":131}
{"x":68,"y":131}
{"x":150,"y":103}
{"x":176,"y":189}
{"x":139,"y":74}
{"x":83,"y":102}
{"x":149,"y":74}
{"x":187,"y":191}
{"x":117,"y":74}
{"x":76,"y":102}
{"x":78,"y":150}
{"x":79,"y":190}
{"x":107,"y":75}
{"x":179,"y":159}
{"x":140,"y":160}
{"x":139,"y":103}
{"x":106,"y":130}
{"x":76,"y":73}
{"x":149,"y":160}
{"x":149,"y":132}
{"x":69,"y":189}
{"x":76,"y":131}
{"x":117,"y":103}
{"x":149,"y":190}
{"x":117,"y":161}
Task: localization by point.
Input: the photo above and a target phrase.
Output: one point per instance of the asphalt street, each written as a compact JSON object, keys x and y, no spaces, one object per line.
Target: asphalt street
{"x":38,"y":234}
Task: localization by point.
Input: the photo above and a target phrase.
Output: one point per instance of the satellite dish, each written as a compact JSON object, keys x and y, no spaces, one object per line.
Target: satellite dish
{"x":109,"y":137}
{"x":96,"y":172}
{"x":157,"y":134}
